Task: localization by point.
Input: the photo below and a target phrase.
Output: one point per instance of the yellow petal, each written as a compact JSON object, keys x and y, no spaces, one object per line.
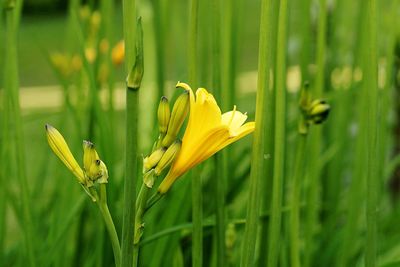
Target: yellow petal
{"x":234,"y":120}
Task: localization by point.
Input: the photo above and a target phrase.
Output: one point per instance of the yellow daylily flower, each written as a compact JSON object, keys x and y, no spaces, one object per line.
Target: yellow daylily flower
{"x":207,"y":132}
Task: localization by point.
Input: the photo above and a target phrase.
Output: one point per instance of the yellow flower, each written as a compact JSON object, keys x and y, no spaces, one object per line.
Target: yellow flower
{"x":118,"y":53}
{"x":208,"y":131}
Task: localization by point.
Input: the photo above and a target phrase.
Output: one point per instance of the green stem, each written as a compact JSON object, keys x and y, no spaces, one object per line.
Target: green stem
{"x":257,"y":163}
{"x":280,"y":138}
{"x":197,"y":217}
{"x":295,"y":202}
{"x":371,"y":90}
{"x":141,"y":204}
{"x":11,"y":86}
{"x":102,"y":204}
{"x":197,"y":207}
{"x":132,"y":108}
{"x":221,"y":166}
{"x":315,"y":141}
{"x":159,"y":45}
{"x":269,"y":117}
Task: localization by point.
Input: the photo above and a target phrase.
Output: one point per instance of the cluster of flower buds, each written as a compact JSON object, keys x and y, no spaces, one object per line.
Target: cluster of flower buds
{"x":94,"y":169}
{"x":314,"y":111}
{"x":168,"y":144}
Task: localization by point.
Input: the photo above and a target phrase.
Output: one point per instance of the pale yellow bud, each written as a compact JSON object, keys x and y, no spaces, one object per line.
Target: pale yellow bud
{"x":60,"y":148}
{"x":178,"y":115}
{"x":152,"y":160}
{"x":95,"y":169}
{"x":168,"y":157}
{"x":163,"y":115}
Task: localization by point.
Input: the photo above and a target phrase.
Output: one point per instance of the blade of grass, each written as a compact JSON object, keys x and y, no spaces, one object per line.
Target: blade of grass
{"x":257,"y":165}
{"x":159,"y":43}
{"x":11,"y":85}
{"x":295,"y":202}
{"x":371,"y":90}
{"x":357,"y":190}
{"x":305,"y":26}
{"x":197,"y":195}
{"x":220,"y":159}
{"x":132,"y":108}
{"x":314,"y":169}
{"x":280,"y":138}
{"x":269,"y":116}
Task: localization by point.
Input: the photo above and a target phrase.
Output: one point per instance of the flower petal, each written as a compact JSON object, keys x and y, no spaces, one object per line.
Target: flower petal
{"x":234,"y":119}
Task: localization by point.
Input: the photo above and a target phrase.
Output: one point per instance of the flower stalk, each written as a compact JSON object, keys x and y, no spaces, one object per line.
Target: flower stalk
{"x":93,"y":178}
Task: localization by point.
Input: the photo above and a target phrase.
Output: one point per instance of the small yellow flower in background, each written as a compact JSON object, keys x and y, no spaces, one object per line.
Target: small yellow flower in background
{"x":118,"y":53}
{"x":94,"y":169}
{"x":208,"y":131}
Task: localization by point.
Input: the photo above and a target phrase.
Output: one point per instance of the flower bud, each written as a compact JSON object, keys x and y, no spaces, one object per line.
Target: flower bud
{"x":319,"y":111}
{"x":178,"y":115}
{"x":152,"y":160}
{"x":95,"y":169}
{"x":148,"y":178}
{"x":163,"y":115}
{"x":168,"y":157}
{"x":61,"y":149}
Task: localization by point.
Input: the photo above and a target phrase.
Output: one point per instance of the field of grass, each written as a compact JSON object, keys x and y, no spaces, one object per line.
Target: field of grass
{"x":314,"y":181}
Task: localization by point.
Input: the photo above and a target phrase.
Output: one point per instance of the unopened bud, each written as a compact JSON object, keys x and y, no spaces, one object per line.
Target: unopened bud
{"x":163,"y":115}
{"x":60,"y":148}
{"x":95,"y":169}
{"x":178,"y":115}
{"x":319,"y":111}
{"x":168,"y":157}
{"x":152,"y":160}
{"x":148,"y":178}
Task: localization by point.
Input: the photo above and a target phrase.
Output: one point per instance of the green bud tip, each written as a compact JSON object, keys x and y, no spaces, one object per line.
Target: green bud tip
{"x":178,"y":115}
{"x":135,"y":76}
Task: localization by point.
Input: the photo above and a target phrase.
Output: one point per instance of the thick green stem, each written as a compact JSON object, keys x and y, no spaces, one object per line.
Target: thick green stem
{"x":221,"y":166}
{"x":112,"y":232}
{"x":371,"y":90}
{"x":295,"y":202}
{"x":315,"y":141}
{"x":132,"y":108}
{"x":197,"y":207}
{"x":11,"y":86}
{"x":141,"y":204}
{"x":280,"y":138}
{"x":257,"y":164}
